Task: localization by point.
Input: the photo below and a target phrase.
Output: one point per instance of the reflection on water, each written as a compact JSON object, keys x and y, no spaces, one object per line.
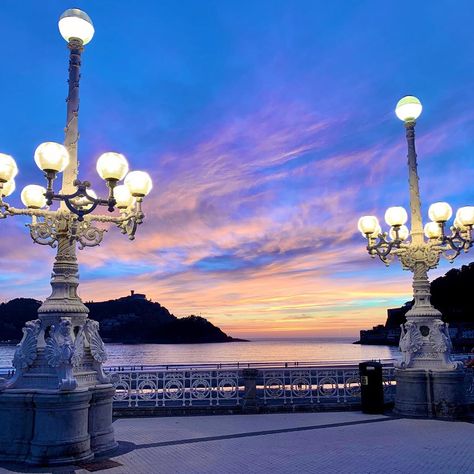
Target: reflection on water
{"x":284,"y":350}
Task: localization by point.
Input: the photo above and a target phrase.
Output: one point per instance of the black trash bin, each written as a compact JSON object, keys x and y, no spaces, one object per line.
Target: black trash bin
{"x":371,"y":387}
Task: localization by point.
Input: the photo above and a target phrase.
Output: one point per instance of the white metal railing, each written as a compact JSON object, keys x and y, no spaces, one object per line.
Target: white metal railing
{"x":177,"y":388}
{"x":271,"y":386}
{"x":194,"y":386}
{"x":314,"y":386}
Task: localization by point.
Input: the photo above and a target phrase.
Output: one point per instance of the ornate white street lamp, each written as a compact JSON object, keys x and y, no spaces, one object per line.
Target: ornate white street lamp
{"x":59,"y":403}
{"x":428,"y":380}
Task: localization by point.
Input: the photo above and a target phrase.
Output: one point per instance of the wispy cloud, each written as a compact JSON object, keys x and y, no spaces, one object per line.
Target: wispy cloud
{"x":263,"y":159}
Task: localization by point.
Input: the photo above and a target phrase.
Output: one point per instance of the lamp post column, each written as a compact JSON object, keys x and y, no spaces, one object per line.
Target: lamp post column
{"x":419,"y":266}
{"x":415,"y":202}
{"x":72,"y":130}
{"x":64,"y":299}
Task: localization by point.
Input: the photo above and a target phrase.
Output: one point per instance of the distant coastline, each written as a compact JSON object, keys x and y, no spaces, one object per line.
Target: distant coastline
{"x":132,"y":319}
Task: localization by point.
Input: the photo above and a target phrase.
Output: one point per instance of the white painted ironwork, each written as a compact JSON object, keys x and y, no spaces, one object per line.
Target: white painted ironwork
{"x":208,"y":388}
{"x":176,"y":388}
{"x":315,"y":386}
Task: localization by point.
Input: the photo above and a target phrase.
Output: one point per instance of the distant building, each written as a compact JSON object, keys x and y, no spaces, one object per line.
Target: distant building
{"x":137,"y":296}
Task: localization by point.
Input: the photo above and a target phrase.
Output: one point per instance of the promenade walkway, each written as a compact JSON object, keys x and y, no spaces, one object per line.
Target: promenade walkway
{"x":329,"y":442}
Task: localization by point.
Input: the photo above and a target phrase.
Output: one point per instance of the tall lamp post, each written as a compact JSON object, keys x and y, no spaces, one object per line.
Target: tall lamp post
{"x":58,"y":406}
{"x":429,"y":382}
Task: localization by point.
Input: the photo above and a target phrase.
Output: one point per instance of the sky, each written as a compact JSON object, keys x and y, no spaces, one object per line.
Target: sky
{"x":268,"y":128}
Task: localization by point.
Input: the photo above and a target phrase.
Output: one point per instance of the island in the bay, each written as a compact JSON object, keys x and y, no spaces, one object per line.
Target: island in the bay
{"x":452,"y":294}
{"x":130,"y":319}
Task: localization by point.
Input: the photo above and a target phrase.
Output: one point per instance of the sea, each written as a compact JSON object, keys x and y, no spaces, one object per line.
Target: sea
{"x":318,"y":350}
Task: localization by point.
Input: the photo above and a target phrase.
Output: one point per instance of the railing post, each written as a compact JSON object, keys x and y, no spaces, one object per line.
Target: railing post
{"x":249,"y":403}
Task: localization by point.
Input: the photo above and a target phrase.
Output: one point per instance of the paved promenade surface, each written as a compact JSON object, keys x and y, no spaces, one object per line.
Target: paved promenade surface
{"x":342,"y":442}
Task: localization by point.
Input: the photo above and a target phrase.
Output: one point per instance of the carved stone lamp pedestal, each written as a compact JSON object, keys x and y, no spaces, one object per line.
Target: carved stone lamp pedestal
{"x":429,"y":382}
{"x":425,"y":393}
{"x":58,"y":406}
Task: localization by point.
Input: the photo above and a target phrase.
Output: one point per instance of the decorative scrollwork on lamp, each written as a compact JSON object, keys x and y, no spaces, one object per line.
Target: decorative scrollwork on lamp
{"x":43,"y":231}
{"x":86,"y":234}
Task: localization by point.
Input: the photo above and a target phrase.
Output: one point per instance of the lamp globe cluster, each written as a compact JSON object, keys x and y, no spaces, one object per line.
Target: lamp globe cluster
{"x":395,"y":217}
{"x":53,"y":158}
{"x":441,"y":212}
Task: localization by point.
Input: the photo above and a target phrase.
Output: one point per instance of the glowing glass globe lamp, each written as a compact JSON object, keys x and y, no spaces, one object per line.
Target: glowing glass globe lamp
{"x":139,"y":183}
{"x":408,"y":108}
{"x":76,"y":24}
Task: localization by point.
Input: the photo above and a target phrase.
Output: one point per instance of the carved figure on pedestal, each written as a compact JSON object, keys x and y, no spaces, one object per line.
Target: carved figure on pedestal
{"x":441,"y":343}
{"x":25,"y":353}
{"x":64,"y":353}
{"x":411,"y":342}
{"x":97,"y":348}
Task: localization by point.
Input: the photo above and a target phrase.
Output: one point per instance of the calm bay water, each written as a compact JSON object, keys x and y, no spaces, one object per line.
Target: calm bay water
{"x":282,"y":350}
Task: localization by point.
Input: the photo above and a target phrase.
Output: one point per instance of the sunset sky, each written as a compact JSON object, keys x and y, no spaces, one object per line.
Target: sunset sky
{"x":268,"y":128}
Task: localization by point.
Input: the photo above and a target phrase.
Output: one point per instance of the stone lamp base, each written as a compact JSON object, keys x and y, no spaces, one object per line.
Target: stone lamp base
{"x":431,"y":393}
{"x":46,"y":427}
